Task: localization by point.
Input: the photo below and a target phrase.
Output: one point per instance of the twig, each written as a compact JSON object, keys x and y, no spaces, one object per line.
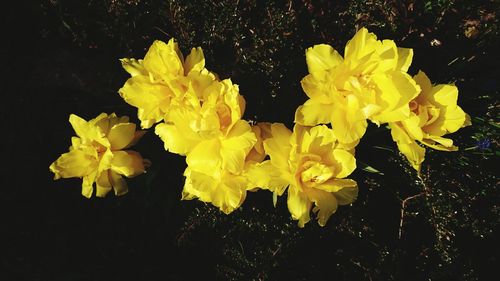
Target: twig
{"x":403,"y":205}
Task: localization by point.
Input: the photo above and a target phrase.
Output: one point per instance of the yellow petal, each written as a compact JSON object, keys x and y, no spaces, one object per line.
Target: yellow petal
{"x":119,"y":184}
{"x":235,"y":147}
{"x":455,"y":118}
{"x":121,"y":135}
{"x":127,"y":163}
{"x":151,"y":98}
{"x":174,"y":140}
{"x":325,"y":204}
{"x":361,"y":44}
{"x":312,"y":113}
{"x":424,"y":82}
{"x":322,"y":57}
{"x":105,"y":161}
{"x":133,"y":67}
{"x":178,"y":135}
{"x":226,"y":192}
{"x":399,"y":134}
{"x":317,"y":86}
{"x":75,"y":163}
{"x":205,"y":157}
{"x":264,"y":175}
{"x":440,"y":143}
{"x":278,"y":146}
{"x":446,"y":95}
{"x":232,"y":195}
{"x":346,"y":163}
{"x":348,"y":122}
{"x":405,"y":56}
{"x":413,"y":152}
{"x":195,"y":61}
{"x":396,"y":91}
{"x":335,"y":185}
{"x":87,"y":184}
{"x":164,"y":60}
{"x":79,"y":125}
{"x":103,"y":184}
{"x":412,"y":127}
{"x":347,"y":195}
{"x":298,"y":205}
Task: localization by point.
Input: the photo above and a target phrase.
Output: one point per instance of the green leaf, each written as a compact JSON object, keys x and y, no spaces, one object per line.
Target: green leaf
{"x":367,"y":168}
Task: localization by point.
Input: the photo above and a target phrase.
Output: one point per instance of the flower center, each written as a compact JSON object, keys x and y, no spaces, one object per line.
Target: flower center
{"x":224,"y":113}
{"x":414,"y":106}
{"x":314,"y":173}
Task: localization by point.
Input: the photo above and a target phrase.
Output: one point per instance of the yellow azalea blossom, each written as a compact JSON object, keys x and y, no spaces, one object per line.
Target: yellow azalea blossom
{"x":99,"y":154}
{"x":313,"y":165}
{"x":164,"y":78}
{"x":434,"y":113}
{"x":369,"y":82}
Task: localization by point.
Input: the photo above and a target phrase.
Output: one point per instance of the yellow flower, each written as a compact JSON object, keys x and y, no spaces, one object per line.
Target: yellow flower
{"x":216,"y":171}
{"x":98,"y":155}
{"x":162,"y":79}
{"x":434,"y":113}
{"x":216,"y":142}
{"x":370,"y":82}
{"x":213,"y":117}
{"x":313,"y":165}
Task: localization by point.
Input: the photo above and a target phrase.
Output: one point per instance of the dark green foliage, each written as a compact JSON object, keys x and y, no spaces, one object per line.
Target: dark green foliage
{"x":450,"y":220}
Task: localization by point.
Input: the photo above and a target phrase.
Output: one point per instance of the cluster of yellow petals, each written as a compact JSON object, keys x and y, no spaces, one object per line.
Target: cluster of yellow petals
{"x":99,"y":154}
{"x":199,"y":116}
{"x":162,"y":79}
{"x":369,"y":83}
{"x":313,"y":164}
{"x":434,"y":113}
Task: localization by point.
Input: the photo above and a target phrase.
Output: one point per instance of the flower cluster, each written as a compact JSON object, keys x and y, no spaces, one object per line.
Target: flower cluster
{"x":371,"y":83}
{"x":198,"y":115}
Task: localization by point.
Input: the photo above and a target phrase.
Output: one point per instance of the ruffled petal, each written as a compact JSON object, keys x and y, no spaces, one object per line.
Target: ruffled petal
{"x":205,"y":157}
{"x":133,"y":67}
{"x":312,"y":113}
{"x":265,"y":176}
{"x":346,"y":163}
{"x":455,"y":118}
{"x":103,"y":184}
{"x":195,"y":61}
{"x":76,"y":163}
{"x":119,"y":184}
{"x":121,"y":135}
{"x":413,"y":152}
{"x":348,"y":122}
{"x":278,"y":146}
{"x":405,"y":56}
{"x":164,"y":60}
{"x":127,"y":163}
{"x":235,"y":147}
{"x":322,"y":57}
{"x":88,"y":184}
{"x":151,"y":98}
{"x":347,"y":195}
{"x":325,"y":204}
{"x":299,"y":206}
